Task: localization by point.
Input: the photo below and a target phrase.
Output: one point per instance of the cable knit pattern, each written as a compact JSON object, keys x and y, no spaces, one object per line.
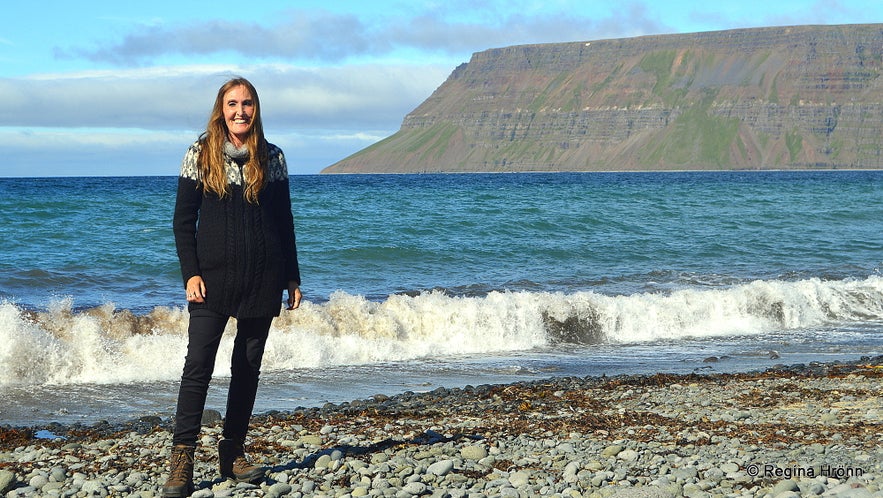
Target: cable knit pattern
{"x":246,"y":253}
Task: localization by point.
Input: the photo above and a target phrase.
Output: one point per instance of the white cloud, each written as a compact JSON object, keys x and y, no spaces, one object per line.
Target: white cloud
{"x":315,"y":35}
{"x":141,"y":120}
{"x":87,"y":152}
{"x":180,"y":98}
{"x":60,"y":152}
{"x":328,"y":37}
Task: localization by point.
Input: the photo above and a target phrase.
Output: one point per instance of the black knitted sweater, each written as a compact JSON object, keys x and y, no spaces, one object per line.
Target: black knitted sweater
{"x":245,"y":252}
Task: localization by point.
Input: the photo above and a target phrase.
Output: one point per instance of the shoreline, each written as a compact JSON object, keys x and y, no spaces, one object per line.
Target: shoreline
{"x":807,"y":428}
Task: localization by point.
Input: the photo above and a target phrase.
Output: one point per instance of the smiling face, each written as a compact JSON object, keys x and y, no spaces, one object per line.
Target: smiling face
{"x":239,"y":108}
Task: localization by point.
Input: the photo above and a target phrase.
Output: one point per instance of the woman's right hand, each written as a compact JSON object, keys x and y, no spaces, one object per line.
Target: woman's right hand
{"x":195,"y":289}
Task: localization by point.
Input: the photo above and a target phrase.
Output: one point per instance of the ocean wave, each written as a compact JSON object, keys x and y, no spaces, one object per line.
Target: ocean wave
{"x":106,"y":345}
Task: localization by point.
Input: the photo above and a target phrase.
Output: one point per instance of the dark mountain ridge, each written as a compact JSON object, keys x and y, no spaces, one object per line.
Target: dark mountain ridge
{"x":792,"y":97}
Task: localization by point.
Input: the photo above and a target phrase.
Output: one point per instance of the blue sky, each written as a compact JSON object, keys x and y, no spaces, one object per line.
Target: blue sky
{"x":121,"y":88}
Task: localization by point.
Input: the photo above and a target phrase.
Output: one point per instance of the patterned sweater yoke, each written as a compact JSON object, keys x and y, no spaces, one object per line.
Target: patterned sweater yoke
{"x":277,"y":169}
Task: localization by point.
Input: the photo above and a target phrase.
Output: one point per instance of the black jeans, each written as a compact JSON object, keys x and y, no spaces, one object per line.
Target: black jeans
{"x":205,"y":331}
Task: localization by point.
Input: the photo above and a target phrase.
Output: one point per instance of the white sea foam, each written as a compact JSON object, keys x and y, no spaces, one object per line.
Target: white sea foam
{"x":105,"y":345}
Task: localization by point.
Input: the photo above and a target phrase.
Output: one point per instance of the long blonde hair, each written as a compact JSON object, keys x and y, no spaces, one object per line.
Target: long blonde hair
{"x":211,"y":156}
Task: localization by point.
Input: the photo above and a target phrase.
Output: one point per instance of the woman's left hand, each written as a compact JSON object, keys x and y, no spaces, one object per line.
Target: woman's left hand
{"x":294,"y":295}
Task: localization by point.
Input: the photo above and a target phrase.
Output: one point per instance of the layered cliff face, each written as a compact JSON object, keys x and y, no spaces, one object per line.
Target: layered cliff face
{"x":766,"y":98}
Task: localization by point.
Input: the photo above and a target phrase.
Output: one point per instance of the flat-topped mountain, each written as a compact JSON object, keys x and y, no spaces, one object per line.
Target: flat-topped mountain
{"x":763,"y":98}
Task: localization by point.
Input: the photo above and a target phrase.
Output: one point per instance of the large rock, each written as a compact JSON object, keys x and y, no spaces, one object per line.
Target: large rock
{"x":7,"y":479}
{"x":764,"y":98}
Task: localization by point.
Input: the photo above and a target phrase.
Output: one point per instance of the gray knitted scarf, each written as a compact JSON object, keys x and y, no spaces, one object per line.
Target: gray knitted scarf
{"x":237,"y":153}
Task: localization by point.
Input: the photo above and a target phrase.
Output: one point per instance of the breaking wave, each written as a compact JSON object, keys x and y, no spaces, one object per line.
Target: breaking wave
{"x":106,"y":345}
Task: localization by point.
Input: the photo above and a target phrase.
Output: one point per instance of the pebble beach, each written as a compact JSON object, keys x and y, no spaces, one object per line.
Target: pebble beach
{"x":798,"y":430}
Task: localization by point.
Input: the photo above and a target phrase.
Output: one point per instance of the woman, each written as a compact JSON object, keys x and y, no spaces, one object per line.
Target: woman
{"x":234,"y":235}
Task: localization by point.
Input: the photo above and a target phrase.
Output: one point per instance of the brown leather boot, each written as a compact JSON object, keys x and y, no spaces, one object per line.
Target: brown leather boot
{"x":234,"y":464}
{"x":180,"y":483}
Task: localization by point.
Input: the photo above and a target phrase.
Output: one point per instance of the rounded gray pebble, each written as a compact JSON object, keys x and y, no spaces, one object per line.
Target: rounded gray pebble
{"x":414,"y":488}
{"x":93,"y":487}
{"x":333,"y":453}
{"x":6,"y":480}
{"x":38,"y":481}
{"x":441,"y":468}
{"x":279,"y":489}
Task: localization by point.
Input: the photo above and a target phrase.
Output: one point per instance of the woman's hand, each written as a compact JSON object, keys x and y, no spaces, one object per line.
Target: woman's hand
{"x":294,"y":295}
{"x":195,"y":289}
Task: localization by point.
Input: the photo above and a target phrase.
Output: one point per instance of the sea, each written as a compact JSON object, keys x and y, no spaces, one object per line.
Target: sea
{"x":416,"y":282}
